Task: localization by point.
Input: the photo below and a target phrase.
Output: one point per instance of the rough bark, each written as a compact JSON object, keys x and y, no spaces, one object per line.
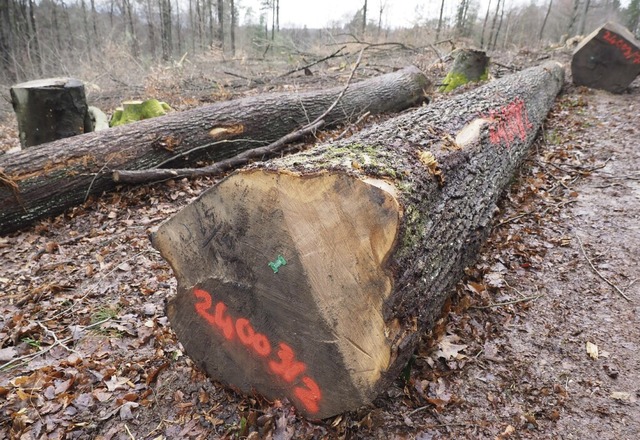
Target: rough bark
{"x":314,"y":276}
{"x":608,"y":59}
{"x":53,"y":177}
{"x":50,"y":109}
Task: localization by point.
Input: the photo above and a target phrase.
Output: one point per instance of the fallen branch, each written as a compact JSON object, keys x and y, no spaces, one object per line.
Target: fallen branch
{"x":47,"y":180}
{"x":602,"y":277}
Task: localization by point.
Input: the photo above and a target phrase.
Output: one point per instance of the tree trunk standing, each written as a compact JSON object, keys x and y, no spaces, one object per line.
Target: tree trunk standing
{"x":544,"y":22}
{"x":233,"y":27}
{"x":484,"y":25}
{"x":380,"y":11}
{"x":572,"y":18}
{"x":221,"y":23}
{"x":165,"y":29}
{"x":583,"y":18}
{"x":495,"y":37}
{"x":278,"y":15}
{"x":633,"y":16}
{"x":210,"y":31}
{"x":494,"y":22}
{"x":62,"y":174}
{"x":5,"y":38}
{"x":439,"y":29}
{"x":178,"y":25}
{"x":93,"y":20}
{"x":135,"y":49}
{"x":314,"y":276}
{"x":364,"y":18}
{"x":50,"y":109}
{"x":151,"y":31}
{"x":36,"y":40}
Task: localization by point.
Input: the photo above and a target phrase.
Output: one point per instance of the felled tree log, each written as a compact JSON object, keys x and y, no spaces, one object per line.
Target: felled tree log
{"x":314,"y":276}
{"x":49,"y":179}
{"x":50,"y":109}
{"x":607,"y":59}
{"x":469,"y":65}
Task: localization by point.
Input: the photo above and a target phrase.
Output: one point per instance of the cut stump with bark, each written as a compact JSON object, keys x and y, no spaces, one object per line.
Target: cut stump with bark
{"x":48,"y":180}
{"x":50,"y":109}
{"x":469,"y":65}
{"x":313,"y":277}
{"x":607,"y":59}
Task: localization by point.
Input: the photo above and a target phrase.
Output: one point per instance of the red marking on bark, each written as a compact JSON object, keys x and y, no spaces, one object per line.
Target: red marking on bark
{"x":509,"y":122}
{"x":625,"y":48}
{"x":284,"y":365}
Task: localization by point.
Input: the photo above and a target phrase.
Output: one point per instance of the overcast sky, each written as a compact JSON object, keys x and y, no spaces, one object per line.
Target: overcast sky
{"x":398,"y":13}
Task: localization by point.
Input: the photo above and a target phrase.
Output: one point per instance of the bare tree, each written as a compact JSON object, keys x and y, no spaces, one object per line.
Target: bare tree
{"x":221,"y":22}
{"x":573,"y":17}
{"x":165,"y":29}
{"x":484,"y":25}
{"x":494,"y":22}
{"x":495,"y":37}
{"x":583,"y":18}
{"x":233,"y":27}
{"x":461,"y":18}
{"x":544,"y":22}
{"x":383,"y":5}
{"x":633,"y":16}
{"x":364,"y":18}
{"x":440,"y":21}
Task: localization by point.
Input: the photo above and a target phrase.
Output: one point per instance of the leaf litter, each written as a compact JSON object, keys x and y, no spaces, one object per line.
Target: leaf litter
{"x":88,"y":352}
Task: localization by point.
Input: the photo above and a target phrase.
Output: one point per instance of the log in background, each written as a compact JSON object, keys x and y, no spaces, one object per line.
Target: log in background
{"x":444,"y":207}
{"x":48,"y":179}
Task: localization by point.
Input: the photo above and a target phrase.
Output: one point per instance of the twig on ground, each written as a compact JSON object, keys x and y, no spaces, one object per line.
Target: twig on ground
{"x":508,"y":303}
{"x":62,"y":342}
{"x":602,"y":277}
{"x":129,"y":432}
{"x":156,"y":175}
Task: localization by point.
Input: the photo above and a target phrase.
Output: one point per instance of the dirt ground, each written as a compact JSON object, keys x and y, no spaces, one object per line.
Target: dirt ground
{"x":540,"y":341}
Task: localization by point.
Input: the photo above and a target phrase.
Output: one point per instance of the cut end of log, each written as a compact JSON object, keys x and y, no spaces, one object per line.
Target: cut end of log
{"x":289,"y":281}
{"x":607,"y":59}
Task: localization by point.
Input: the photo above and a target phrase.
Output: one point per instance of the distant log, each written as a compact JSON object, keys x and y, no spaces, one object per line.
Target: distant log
{"x":50,"y":109}
{"x":47,"y":180}
{"x":469,"y":65}
{"x":315,"y":275}
{"x":607,"y":59}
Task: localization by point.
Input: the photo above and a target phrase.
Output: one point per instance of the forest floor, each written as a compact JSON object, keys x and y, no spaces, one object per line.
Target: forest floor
{"x":541,"y":339}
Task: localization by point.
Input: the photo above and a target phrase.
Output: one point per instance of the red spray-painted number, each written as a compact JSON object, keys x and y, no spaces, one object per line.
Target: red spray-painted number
{"x":285,"y":365}
{"x":509,"y":122}
{"x":625,"y":48}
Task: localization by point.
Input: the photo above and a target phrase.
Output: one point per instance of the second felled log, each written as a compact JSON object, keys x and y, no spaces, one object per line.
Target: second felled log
{"x":47,"y":180}
{"x":607,"y":59}
{"x":313,"y":277}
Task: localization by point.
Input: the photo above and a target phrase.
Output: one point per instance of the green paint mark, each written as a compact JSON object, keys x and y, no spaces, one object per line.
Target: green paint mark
{"x":275,"y":265}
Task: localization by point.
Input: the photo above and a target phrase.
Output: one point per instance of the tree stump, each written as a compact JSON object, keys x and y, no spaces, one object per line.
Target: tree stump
{"x":314,"y":276}
{"x":608,"y":59}
{"x":469,"y":65}
{"x":52,"y":178}
{"x":50,"y":109}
